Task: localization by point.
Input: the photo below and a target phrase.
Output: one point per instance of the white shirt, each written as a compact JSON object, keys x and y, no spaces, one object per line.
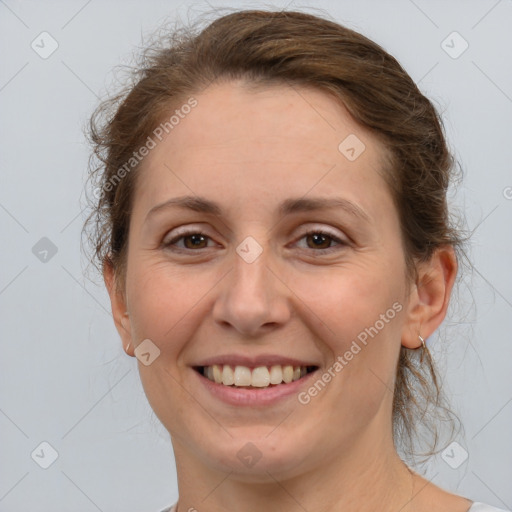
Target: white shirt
{"x":476,"y":507}
{"x":482,"y":507}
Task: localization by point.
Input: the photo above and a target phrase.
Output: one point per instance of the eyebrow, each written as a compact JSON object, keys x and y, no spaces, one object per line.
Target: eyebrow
{"x":287,"y":207}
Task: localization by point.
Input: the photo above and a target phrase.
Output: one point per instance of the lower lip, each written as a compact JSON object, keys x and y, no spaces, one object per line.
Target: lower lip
{"x":256,"y":396}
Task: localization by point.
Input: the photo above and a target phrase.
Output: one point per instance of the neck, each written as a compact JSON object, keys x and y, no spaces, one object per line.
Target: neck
{"x":369,"y":476}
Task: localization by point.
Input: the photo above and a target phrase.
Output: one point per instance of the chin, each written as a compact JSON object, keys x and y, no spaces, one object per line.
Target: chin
{"x":254,"y":455}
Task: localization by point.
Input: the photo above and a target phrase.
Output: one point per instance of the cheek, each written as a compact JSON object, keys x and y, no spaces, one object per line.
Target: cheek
{"x":358,"y":313}
{"x":162,"y":300}
{"x":351,"y":299}
{"x":165,"y":307}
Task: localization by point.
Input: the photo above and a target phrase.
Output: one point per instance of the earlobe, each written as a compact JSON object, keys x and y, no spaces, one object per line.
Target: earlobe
{"x":128,"y":347}
{"x":118,"y":307}
{"x":430,"y":297}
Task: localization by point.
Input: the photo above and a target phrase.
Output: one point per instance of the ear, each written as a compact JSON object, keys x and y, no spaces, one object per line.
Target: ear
{"x":118,"y":305}
{"x":429,"y":296}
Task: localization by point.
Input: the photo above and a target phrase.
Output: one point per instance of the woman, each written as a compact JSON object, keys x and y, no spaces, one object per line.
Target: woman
{"x":274,"y":236}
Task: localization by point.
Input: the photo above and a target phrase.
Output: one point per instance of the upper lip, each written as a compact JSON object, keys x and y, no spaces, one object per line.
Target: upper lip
{"x":254,"y":361}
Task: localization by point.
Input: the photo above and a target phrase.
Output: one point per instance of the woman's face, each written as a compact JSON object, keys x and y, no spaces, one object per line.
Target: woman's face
{"x":240,"y":274}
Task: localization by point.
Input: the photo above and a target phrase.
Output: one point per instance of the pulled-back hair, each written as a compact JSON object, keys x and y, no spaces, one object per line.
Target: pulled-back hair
{"x":297,"y":49}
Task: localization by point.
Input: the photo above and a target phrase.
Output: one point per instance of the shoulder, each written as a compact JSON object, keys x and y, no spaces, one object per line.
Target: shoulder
{"x":434,"y":497}
{"x":482,"y":507}
{"x":173,"y":509}
{"x":476,"y":507}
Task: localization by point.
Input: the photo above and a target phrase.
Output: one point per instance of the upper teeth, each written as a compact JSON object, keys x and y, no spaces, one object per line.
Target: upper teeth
{"x":259,"y":377}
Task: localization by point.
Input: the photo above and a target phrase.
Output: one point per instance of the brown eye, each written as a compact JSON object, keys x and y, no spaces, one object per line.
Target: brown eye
{"x":188,"y":241}
{"x":318,"y":240}
{"x":195,"y":241}
{"x":321,"y":242}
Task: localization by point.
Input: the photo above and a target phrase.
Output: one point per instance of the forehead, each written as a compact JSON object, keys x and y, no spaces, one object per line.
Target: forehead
{"x":272,"y":116}
{"x":242,"y":142}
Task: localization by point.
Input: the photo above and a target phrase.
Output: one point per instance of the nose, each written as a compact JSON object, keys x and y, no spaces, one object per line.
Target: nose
{"x":252,"y":299}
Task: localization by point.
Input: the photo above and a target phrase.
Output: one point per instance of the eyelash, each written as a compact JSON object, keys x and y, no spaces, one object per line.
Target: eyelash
{"x":340,"y":243}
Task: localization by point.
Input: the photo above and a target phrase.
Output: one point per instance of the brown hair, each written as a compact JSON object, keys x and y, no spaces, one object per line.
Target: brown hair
{"x":294,"y":48}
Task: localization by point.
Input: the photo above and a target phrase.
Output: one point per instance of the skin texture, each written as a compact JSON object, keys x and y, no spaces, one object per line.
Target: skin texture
{"x":248,"y":150}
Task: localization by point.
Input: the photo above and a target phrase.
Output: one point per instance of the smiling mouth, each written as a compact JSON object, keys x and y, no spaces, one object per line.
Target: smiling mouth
{"x":258,"y":377}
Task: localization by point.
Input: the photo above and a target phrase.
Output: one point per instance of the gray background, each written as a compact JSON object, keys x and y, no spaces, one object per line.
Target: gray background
{"x":63,"y":375}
